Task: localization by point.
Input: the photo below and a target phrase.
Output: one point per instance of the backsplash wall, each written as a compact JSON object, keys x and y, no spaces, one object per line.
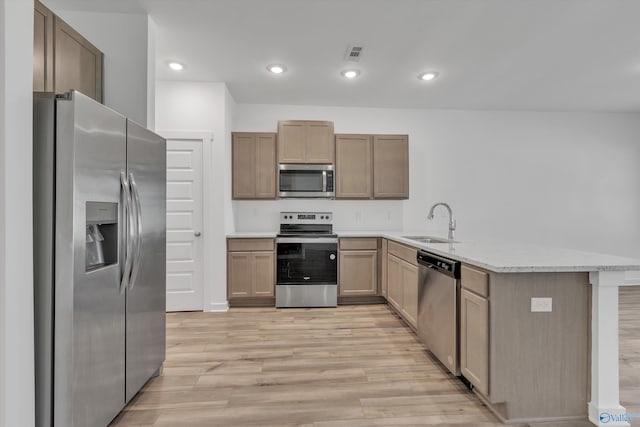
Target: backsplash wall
{"x":347,"y":214}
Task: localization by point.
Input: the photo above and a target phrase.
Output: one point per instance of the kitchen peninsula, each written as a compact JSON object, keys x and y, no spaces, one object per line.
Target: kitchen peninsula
{"x":526,"y":364}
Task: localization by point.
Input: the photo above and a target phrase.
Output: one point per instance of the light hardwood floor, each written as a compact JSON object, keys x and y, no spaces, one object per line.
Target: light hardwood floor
{"x":350,"y":366}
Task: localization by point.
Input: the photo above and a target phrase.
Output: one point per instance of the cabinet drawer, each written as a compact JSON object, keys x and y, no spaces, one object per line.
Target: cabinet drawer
{"x":475,"y":280}
{"x":244,"y":245}
{"x":359,"y":243}
{"x":406,"y":253}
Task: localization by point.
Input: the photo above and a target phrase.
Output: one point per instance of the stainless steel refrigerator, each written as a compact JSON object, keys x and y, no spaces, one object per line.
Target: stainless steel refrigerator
{"x":99,"y":259}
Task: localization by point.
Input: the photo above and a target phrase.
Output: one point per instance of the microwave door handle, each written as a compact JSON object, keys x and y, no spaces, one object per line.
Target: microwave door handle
{"x":324,"y":181}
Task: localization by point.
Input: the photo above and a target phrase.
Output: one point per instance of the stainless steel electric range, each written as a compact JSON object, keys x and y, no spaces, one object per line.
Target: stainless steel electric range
{"x":307,"y":260}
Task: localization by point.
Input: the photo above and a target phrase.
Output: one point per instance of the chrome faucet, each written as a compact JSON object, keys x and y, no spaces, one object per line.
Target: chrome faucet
{"x":452,"y":222}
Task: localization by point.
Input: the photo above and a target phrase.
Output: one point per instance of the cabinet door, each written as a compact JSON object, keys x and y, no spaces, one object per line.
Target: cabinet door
{"x":243,"y":153}
{"x":263,"y":274}
{"x":320,"y":143}
{"x":292,"y":141}
{"x":42,"y":48}
{"x":358,"y":273}
{"x":265,"y":166}
{"x":383,"y":268}
{"x":390,"y":167}
{"x":78,"y":63}
{"x":394,"y":281}
{"x":474,"y":340}
{"x":410,"y":292}
{"x":353,"y":166}
{"x":239,"y":274}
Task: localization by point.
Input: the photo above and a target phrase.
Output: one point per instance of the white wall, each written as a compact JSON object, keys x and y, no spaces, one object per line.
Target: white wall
{"x":16,"y":264}
{"x":559,"y":179}
{"x":123,"y":38}
{"x":202,"y":107}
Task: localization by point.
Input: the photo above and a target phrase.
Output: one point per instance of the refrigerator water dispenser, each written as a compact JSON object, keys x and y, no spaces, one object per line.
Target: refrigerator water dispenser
{"x":101,"y":242}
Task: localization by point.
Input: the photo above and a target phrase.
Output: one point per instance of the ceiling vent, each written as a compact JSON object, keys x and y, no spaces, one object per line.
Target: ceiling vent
{"x":354,"y":53}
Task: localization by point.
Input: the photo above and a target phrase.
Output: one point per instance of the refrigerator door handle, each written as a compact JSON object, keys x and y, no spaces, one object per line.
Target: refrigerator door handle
{"x":138,"y":219}
{"x":128,"y":220}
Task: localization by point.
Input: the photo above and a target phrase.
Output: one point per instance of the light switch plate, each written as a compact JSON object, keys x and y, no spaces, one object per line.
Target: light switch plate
{"x":541,"y":305}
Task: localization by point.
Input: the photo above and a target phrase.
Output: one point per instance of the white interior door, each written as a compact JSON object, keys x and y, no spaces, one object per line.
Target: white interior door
{"x":184,"y":225}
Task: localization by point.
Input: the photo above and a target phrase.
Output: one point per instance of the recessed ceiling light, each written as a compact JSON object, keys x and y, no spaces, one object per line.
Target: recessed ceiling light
{"x":276,"y":68}
{"x":176,"y":66}
{"x":429,"y":75}
{"x":350,"y":74}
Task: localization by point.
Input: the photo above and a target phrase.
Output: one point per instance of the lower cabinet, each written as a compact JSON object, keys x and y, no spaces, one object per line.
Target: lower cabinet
{"x":521,"y":360}
{"x":402,"y":288}
{"x":410,"y":292}
{"x":383,"y":267}
{"x":474,"y":340}
{"x":394,"y":281}
{"x":358,"y":267}
{"x":250,"y":268}
{"x":474,"y":327}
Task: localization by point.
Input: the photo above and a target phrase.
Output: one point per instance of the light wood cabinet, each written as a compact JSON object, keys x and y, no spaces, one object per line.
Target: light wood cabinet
{"x":372,"y":166}
{"x":358,"y":267}
{"x":390,"y":166}
{"x":250,"y":268}
{"x":78,"y":63}
{"x":517,"y":358}
{"x":353,"y":166}
{"x":410,"y":292}
{"x":301,"y":141}
{"x":42,"y":48}
{"x":402,"y":288}
{"x":474,"y":340}
{"x":62,"y":58}
{"x":384,"y":260}
{"x":394,"y":281}
{"x":253,"y":165}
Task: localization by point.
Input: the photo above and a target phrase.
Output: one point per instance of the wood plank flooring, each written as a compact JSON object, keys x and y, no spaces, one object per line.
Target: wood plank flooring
{"x":350,"y":366}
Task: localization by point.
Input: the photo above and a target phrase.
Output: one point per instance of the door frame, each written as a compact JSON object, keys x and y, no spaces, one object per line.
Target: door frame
{"x":207,"y":224}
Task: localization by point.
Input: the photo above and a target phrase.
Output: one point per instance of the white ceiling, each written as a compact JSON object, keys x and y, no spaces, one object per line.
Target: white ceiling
{"x":492,"y":54}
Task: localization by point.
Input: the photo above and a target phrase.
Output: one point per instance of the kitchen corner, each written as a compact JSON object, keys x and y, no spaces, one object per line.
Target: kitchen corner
{"x":543,"y":290}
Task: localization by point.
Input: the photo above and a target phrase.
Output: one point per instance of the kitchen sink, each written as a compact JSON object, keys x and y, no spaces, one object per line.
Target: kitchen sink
{"x":428,"y":239}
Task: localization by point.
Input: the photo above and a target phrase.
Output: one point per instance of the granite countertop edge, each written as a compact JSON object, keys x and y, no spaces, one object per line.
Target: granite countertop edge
{"x":495,"y":257}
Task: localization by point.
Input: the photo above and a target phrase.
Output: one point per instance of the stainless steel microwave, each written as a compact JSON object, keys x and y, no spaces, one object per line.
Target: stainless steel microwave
{"x":306,"y":181}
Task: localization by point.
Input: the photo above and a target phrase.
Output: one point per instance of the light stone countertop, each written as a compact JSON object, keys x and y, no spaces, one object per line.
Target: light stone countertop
{"x":497,"y":257}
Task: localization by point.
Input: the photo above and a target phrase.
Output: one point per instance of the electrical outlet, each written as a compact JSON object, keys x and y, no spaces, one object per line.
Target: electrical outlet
{"x":358,"y":216}
{"x":541,"y":305}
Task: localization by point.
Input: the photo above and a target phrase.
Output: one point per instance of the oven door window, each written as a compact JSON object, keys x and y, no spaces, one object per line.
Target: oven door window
{"x":307,"y":263}
{"x":301,"y":181}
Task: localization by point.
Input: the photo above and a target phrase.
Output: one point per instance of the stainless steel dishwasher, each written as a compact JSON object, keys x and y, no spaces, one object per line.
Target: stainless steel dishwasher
{"x":438,"y":308}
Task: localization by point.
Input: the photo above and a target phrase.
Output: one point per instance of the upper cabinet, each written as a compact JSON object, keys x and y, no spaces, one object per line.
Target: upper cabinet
{"x":78,"y":63}
{"x":305,"y":142}
{"x":353,"y":166}
{"x":42,"y":48}
{"x":254,"y":165}
{"x":390,"y":167}
{"x":372,"y":166}
{"x":62,"y":58}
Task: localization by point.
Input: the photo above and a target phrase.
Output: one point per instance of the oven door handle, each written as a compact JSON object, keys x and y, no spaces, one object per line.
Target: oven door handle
{"x":307,"y":240}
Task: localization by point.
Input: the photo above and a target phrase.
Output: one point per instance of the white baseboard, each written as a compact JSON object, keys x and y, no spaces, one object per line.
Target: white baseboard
{"x":218,"y":307}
